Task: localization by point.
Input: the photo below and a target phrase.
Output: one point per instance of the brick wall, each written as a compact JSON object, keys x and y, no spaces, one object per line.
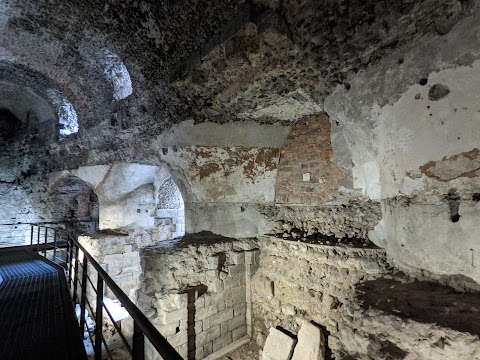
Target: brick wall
{"x":305,"y":173}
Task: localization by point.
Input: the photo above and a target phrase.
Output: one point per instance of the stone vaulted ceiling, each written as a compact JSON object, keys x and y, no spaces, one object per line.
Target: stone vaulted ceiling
{"x":206,"y":61}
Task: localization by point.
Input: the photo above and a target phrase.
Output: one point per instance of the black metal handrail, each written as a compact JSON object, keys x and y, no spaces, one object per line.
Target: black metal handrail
{"x":141,"y":325}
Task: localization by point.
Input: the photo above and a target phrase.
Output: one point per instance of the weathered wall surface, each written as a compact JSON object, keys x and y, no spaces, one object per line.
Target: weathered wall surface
{"x":236,"y":173}
{"x":366,"y":309}
{"x":410,"y":126}
{"x":301,"y":282}
{"x":195,"y":291}
{"x":306,"y":174}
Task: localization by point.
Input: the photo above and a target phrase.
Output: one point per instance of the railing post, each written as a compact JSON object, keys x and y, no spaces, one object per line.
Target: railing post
{"x":69,"y":265}
{"x":38,"y":234}
{"x":45,"y":248}
{"x":99,"y":319}
{"x":75,"y":281}
{"x":54,"y":245}
{"x":83,"y":298}
{"x":138,"y":350}
{"x":31,"y":235}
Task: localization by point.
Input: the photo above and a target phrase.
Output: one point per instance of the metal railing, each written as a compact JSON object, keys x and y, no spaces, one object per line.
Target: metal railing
{"x":66,"y":251}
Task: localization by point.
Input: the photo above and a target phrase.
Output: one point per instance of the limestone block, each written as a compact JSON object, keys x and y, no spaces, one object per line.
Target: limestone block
{"x":217,"y":286}
{"x":200,"y":302}
{"x":224,"y":327}
{"x":236,"y":322}
{"x":236,"y":257}
{"x":311,"y":343}
{"x":239,"y":332}
{"x":172,"y":302}
{"x":221,"y":317}
{"x":178,"y":339}
{"x":169,"y":329}
{"x":278,"y":346}
{"x":236,"y":270}
{"x":208,"y":348}
{"x":222,"y":341}
{"x":206,"y":312}
{"x":111,"y":258}
{"x":240,"y":309}
{"x":173,"y":316}
{"x":207,"y":335}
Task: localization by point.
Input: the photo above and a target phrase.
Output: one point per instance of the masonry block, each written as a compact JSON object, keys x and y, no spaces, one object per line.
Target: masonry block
{"x":172,"y":316}
{"x":311,"y":343}
{"x":172,"y":302}
{"x":206,"y":312}
{"x":207,"y":335}
{"x":278,"y":346}
{"x":221,"y":317}
{"x":235,"y":270}
{"x":222,"y":341}
{"x":239,"y":332}
{"x":169,"y":329}
{"x":236,"y":257}
{"x":178,"y":339}
{"x":237,"y":322}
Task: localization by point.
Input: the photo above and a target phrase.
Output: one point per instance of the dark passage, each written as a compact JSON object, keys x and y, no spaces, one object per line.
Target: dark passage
{"x":36,"y":314}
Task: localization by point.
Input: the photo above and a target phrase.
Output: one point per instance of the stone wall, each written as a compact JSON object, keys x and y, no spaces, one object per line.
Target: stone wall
{"x":298,"y":283}
{"x":196,"y":291}
{"x":119,"y":256}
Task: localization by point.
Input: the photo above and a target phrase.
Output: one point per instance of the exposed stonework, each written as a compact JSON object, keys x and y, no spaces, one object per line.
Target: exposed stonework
{"x":306,"y":174}
{"x":389,"y":318}
{"x":348,"y":223}
{"x":466,"y":164}
{"x":349,"y":128}
{"x":201,"y":301}
{"x":301,"y":282}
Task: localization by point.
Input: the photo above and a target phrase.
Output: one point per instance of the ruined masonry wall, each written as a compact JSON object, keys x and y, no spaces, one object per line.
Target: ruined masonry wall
{"x":198,"y":296}
{"x":301,"y":282}
{"x":120,"y":257}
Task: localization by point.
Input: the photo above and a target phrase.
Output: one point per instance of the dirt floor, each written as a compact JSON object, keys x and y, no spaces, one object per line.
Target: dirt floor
{"x":424,"y":302}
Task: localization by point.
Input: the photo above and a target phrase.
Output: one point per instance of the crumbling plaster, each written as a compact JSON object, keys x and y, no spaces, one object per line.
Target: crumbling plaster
{"x":405,"y":145}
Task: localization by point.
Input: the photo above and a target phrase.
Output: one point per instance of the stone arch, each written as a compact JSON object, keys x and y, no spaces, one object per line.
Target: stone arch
{"x":76,"y":203}
{"x":170,"y":208}
{"x":67,"y":116}
{"x":116,"y":73}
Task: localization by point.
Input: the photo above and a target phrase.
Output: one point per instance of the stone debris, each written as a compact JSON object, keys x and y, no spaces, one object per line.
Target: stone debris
{"x":278,"y":346}
{"x":311,"y":343}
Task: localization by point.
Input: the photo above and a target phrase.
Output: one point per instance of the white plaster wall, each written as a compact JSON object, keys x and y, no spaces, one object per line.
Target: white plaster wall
{"x":388,"y":128}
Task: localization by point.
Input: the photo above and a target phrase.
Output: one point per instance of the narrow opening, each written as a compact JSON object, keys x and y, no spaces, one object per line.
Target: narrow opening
{"x":170,"y":209}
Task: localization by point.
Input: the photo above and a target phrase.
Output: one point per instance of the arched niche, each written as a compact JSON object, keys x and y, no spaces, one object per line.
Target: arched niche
{"x":129,"y":197}
{"x":170,"y":209}
{"x":76,"y":203}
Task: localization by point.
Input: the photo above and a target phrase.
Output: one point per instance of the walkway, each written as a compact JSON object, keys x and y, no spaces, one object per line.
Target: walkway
{"x":37,"y":320}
